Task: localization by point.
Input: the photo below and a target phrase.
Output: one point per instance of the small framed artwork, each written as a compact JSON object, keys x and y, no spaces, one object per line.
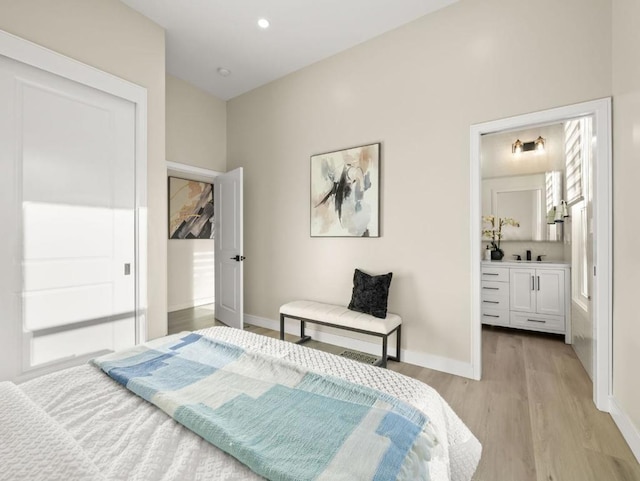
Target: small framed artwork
{"x":190,"y":209}
{"x":345,"y":192}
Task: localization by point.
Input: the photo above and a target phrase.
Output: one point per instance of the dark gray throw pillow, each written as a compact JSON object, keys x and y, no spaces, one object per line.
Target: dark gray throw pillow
{"x":370,"y":293}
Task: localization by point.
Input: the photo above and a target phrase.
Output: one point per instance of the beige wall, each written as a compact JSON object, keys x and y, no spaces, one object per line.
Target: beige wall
{"x":112,"y":37}
{"x":191,"y":272}
{"x":626,"y":229}
{"x":196,"y":136}
{"x":417,"y":90}
{"x":196,"y":126}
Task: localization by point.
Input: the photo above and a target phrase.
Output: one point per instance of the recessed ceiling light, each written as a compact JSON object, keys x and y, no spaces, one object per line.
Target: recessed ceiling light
{"x":224,"y":72}
{"x":263,"y":23}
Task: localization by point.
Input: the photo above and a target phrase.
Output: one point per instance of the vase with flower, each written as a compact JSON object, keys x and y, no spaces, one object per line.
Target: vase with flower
{"x":494,"y":233}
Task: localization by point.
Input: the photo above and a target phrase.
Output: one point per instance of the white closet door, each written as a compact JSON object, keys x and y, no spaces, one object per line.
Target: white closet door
{"x":67,"y":155}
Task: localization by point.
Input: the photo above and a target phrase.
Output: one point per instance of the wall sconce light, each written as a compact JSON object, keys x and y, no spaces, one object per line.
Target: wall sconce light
{"x":518,"y":146}
{"x":558,"y":213}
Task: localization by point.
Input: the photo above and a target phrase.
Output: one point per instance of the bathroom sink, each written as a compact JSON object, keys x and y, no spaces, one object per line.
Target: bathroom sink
{"x":537,"y":262}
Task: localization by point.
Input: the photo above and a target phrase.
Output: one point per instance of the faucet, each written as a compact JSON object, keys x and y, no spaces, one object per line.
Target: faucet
{"x":528,"y":254}
{"x":539,"y":259}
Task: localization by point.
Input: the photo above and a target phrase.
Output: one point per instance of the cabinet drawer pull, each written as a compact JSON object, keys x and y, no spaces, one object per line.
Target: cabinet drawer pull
{"x":492,"y":302}
{"x":533,"y":283}
{"x":537,"y":320}
{"x":538,"y":282}
{"x":492,"y":288}
{"x":489,"y":315}
{"x":490,"y":274}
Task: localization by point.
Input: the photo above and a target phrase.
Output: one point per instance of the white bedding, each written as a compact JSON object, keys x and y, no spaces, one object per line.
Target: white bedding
{"x":34,"y":446}
{"x":128,"y":438}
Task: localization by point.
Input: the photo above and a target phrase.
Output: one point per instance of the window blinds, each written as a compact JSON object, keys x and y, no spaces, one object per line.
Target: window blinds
{"x":573,"y":133}
{"x":577,"y":135}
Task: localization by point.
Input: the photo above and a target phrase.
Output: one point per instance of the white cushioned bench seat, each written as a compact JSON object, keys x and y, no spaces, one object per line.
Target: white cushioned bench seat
{"x":343,"y":318}
{"x":340,"y":315}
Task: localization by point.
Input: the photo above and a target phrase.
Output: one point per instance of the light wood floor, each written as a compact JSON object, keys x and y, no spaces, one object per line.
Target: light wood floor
{"x":533,"y":410}
{"x":192,"y":319}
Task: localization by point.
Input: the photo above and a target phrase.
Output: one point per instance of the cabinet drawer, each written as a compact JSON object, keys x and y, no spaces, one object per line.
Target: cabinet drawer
{"x":495,"y":303}
{"x":493,"y":288}
{"x":537,"y":322}
{"x":498,"y":274}
{"x":495,"y":317}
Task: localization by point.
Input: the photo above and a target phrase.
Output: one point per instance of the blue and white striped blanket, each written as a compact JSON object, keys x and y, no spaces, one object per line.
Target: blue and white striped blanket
{"x":281,"y":420}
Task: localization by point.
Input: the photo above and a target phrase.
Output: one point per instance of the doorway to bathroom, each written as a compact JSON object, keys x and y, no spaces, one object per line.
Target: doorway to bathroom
{"x":541,"y":196}
{"x":190,"y":258}
{"x":205,"y":272}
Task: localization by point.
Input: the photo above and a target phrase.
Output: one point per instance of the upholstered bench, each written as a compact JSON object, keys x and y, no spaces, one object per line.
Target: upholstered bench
{"x":343,"y":318}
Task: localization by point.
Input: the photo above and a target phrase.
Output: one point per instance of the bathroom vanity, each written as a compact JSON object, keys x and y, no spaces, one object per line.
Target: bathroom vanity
{"x":527,"y":295}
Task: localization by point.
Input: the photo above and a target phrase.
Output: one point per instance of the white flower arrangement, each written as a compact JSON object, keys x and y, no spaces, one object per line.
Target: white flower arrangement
{"x":494,"y":233}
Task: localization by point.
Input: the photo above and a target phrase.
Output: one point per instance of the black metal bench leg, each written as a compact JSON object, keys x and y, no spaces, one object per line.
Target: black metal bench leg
{"x":384,"y":351}
{"x":282,"y":327}
{"x":303,"y":337}
{"x":398,"y":341}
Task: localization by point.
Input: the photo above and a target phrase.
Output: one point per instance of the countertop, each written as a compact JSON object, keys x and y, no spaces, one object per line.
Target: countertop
{"x":526,"y":263}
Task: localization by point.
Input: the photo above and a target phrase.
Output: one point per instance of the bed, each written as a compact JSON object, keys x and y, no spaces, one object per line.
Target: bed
{"x":115,"y":434}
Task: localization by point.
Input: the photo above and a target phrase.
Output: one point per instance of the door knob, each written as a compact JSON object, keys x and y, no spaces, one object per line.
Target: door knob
{"x":238,"y":258}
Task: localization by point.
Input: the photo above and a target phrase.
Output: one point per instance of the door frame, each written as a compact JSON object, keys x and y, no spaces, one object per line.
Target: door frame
{"x":602,"y":232}
{"x":29,"y":53}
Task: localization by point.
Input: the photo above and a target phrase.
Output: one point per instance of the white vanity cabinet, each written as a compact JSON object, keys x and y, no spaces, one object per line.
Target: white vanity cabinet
{"x":526,"y":295}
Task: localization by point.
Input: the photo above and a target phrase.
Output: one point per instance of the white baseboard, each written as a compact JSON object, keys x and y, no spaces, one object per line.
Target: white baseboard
{"x":629,"y":431}
{"x":450,"y":366}
{"x":193,"y":303}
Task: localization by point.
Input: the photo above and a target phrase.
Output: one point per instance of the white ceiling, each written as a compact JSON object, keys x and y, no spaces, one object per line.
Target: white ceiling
{"x":203,"y":35}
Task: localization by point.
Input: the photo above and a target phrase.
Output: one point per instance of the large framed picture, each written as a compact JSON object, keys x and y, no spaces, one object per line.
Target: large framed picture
{"x":345,"y":192}
{"x":190,"y":209}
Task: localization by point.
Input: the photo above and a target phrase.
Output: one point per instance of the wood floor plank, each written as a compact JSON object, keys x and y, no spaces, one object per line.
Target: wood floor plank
{"x":509,"y":371}
{"x":540,"y":350}
{"x":604,"y":467}
{"x":507,"y":442}
{"x":192,"y":319}
{"x":490,"y":336}
{"x":597,"y":431}
{"x":556,"y":443}
{"x":533,"y":410}
{"x":574,"y":378}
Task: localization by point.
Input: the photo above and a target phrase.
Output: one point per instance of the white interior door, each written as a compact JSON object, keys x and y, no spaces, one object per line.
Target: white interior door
{"x":227,"y":204}
{"x":67,"y":158}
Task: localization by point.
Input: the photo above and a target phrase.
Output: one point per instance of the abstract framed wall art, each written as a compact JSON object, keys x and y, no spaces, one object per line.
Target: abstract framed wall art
{"x":345,"y":192}
{"x":190,"y":209}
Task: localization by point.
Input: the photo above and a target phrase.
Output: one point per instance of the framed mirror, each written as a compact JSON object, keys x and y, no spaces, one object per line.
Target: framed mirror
{"x":528,"y":199}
